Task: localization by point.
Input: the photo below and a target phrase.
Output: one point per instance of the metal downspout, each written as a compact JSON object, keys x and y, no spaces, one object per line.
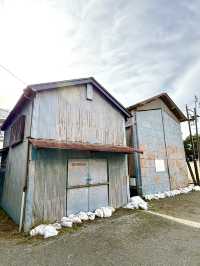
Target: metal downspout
{"x":136,"y":156}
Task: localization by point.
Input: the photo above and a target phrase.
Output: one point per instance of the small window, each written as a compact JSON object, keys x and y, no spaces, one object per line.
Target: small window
{"x":17,"y":131}
{"x":89,"y":92}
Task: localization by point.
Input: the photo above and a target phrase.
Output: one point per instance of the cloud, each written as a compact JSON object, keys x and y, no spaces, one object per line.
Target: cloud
{"x":136,"y":49}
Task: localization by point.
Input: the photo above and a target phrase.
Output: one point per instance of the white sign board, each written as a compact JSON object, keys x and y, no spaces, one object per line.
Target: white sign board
{"x":160,"y":165}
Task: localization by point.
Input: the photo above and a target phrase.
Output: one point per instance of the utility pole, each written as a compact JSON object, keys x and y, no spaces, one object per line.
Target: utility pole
{"x":196,"y":116}
{"x":193,"y":147}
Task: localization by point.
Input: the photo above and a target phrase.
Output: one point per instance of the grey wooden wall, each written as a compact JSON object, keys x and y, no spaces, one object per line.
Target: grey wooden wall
{"x":50,"y":181}
{"x":66,"y":114}
{"x":16,"y":169}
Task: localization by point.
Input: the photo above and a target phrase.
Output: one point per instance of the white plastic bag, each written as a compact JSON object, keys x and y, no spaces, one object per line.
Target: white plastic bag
{"x":75,"y":219}
{"x":136,"y":203}
{"x":99,"y":213}
{"x":66,"y":224}
{"x":107,"y":212}
{"x":91,"y":216}
{"x":38,"y":230}
{"x":83,"y":216}
{"x":196,"y":188}
{"x":50,"y":231}
{"x":57,"y":226}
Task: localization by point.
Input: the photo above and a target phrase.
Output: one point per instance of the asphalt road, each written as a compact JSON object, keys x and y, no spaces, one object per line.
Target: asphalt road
{"x":128,"y":238}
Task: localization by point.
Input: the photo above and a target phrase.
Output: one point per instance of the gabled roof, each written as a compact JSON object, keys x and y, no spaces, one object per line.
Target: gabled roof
{"x":31,"y":90}
{"x":167,"y":100}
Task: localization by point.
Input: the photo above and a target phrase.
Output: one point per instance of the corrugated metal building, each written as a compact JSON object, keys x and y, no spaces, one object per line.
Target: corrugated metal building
{"x":65,"y":146}
{"x":155,"y":128}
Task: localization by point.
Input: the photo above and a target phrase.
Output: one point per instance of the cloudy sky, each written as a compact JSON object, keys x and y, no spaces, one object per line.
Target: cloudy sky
{"x":134,"y":48}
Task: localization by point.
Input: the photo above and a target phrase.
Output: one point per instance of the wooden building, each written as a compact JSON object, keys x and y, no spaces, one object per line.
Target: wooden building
{"x":65,"y":148}
{"x":155,"y":128}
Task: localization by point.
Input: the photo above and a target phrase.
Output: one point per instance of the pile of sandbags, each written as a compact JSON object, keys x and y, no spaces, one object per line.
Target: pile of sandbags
{"x":137,"y":203}
{"x":104,"y":212}
{"x":46,"y":230}
{"x":172,"y":193}
{"x":52,"y":229}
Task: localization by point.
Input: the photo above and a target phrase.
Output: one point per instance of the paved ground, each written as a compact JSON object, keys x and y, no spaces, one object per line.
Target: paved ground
{"x":128,"y":238}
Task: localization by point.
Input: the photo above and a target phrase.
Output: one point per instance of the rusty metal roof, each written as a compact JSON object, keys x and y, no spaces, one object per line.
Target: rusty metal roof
{"x":53,"y":144}
{"x":167,"y":100}
{"x":31,"y":90}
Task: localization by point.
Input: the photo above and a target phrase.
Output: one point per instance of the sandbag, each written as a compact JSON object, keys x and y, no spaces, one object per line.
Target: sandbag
{"x":57,"y":226}
{"x":75,"y":219}
{"x":38,"y":230}
{"x":99,"y":213}
{"x":91,"y":216}
{"x":107,"y":212}
{"x":66,"y":223}
{"x":50,"y":231}
{"x":172,"y":193}
{"x":83,"y":216}
{"x":196,"y":188}
{"x":136,"y":203}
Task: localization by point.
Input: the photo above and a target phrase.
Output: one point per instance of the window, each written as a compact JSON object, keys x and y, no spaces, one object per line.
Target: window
{"x":17,"y":131}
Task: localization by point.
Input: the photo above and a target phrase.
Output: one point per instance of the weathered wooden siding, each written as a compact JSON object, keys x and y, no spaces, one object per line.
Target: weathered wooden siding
{"x":50,"y":181}
{"x":118,"y":181}
{"x":66,"y":114}
{"x":16,"y":170}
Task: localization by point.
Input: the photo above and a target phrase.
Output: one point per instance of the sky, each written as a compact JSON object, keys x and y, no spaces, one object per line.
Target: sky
{"x":134,"y":48}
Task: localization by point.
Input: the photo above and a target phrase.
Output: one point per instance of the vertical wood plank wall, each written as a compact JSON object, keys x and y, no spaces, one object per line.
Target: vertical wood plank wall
{"x":16,"y":170}
{"x":66,"y":114}
{"x":49,"y":199}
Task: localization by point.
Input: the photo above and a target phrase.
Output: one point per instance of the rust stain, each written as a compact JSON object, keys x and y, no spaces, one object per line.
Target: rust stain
{"x":46,"y":143}
{"x":157,"y":179}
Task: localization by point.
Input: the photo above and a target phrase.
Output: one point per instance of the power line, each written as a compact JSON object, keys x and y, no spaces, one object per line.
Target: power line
{"x":12,"y":74}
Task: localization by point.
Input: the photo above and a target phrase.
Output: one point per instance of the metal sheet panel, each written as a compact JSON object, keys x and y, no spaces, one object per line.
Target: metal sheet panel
{"x":77,"y":200}
{"x":98,"y":171}
{"x":98,"y":197}
{"x":77,"y":172}
{"x":151,"y":139}
{"x":175,"y":153}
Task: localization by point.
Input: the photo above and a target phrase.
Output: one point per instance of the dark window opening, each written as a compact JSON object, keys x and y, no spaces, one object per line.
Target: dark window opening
{"x":17,"y":131}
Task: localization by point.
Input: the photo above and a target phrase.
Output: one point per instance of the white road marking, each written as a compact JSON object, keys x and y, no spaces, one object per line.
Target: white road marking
{"x":178,"y":220}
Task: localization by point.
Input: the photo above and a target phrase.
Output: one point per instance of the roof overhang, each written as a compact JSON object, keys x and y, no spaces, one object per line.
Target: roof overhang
{"x":31,"y":90}
{"x":82,"y":81}
{"x":167,"y":100}
{"x":27,"y":95}
{"x":54,"y":144}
